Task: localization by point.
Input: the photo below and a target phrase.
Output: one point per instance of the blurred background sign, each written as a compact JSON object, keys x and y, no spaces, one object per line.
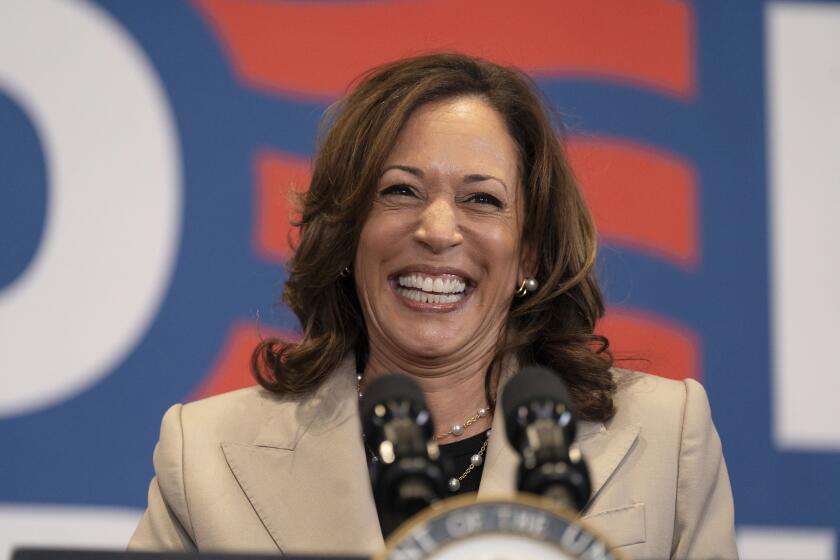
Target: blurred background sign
{"x":147,"y":151}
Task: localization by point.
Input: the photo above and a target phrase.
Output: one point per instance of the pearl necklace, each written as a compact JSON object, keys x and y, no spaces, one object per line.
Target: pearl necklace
{"x":454,"y":483}
{"x":457,"y":430}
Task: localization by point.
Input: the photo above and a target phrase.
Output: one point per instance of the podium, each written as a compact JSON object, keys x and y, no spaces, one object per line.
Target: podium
{"x":67,"y":554}
{"x":525,"y":526}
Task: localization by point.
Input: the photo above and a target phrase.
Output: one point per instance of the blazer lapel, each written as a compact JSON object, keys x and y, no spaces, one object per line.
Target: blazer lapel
{"x":604,"y":449}
{"x":306,"y":473}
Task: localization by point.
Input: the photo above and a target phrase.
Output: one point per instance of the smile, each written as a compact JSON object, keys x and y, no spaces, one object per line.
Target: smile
{"x":437,"y":290}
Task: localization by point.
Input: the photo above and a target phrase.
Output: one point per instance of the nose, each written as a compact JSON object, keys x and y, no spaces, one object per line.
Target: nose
{"x":438,"y":228}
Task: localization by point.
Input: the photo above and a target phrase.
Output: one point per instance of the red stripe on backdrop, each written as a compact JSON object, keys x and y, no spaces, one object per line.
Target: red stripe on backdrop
{"x":317,"y":48}
{"x":232,"y":369}
{"x":647,"y":342}
{"x":278,"y":175}
{"x":640,"y":197}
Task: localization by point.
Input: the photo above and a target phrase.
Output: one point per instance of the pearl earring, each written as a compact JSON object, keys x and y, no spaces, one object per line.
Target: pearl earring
{"x":528,"y":285}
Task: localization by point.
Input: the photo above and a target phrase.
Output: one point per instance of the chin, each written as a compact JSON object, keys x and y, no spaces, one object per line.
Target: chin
{"x":432,"y":353}
{"x":429,"y":348}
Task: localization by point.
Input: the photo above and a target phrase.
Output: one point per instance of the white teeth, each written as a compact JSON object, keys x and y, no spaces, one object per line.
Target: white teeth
{"x":424,"y":297}
{"x":432,"y":284}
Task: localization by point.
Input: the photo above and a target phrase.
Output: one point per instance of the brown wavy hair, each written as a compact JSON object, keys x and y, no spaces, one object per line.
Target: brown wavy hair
{"x":553,"y":326}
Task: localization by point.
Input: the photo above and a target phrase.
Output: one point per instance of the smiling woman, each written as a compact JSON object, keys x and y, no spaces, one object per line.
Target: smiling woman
{"x":444,"y":167}
{"x":443,"y":236}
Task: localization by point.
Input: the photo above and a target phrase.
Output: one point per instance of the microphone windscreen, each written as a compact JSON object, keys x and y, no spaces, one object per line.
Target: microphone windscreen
{"x":532,"y":383}
{"x":390,"y":387}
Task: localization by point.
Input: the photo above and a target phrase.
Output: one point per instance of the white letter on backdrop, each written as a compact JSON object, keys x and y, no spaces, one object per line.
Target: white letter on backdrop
{"x":113,"y":216}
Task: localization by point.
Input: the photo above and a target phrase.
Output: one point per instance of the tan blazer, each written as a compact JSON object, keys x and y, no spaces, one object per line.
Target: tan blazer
{"x":251,"y":471}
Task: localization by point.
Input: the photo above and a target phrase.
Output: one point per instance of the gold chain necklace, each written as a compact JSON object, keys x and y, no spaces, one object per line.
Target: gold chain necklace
{"x":454,"y":483}
{"x":457,"y":430}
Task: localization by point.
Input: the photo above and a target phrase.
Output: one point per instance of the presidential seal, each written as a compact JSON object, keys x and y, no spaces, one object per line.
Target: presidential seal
{"x":496,"y":529}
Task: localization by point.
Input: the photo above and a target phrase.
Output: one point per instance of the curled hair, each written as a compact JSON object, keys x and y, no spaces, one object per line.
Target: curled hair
{"x":553,"y":326}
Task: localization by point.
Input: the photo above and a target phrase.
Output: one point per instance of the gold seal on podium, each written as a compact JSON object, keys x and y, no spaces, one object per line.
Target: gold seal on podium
{"x":525,"y":526}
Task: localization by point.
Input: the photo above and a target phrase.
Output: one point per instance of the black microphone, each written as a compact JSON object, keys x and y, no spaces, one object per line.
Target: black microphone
{"x":398,"y":429}
{"x":540,"y":427}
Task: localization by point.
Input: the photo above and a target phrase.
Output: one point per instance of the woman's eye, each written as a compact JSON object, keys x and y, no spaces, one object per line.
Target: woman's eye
{"x":401,"y":190}
{"x":485,"y":198}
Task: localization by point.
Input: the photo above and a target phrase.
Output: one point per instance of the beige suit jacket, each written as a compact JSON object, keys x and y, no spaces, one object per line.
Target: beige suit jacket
{"x":251,"y":471}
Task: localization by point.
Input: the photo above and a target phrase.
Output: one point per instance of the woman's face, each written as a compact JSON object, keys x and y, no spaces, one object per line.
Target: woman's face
{"x":439,"y":257}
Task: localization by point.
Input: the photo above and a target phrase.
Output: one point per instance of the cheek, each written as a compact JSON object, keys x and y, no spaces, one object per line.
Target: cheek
{"x":499,"y":248}
{"x":377,"y":243}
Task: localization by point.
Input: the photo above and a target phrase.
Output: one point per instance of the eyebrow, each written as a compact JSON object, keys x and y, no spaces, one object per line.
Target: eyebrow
{"x":408,"y":169}
{"x":472,"y":178}
{"x":477,"y":178}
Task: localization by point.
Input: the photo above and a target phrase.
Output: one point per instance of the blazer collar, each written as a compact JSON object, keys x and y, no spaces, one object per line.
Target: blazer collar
{"x":306,"y":473}
{"x":603,"y":449}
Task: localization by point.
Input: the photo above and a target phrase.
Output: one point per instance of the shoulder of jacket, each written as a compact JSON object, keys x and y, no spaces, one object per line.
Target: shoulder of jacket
{"x":235,"y":415}
{"x":248,"y":397}
{"x":646,"y":396}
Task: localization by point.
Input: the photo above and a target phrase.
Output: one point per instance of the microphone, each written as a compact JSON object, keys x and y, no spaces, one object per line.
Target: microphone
{"x":540,"y":427}
{"x":398,"y":429}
